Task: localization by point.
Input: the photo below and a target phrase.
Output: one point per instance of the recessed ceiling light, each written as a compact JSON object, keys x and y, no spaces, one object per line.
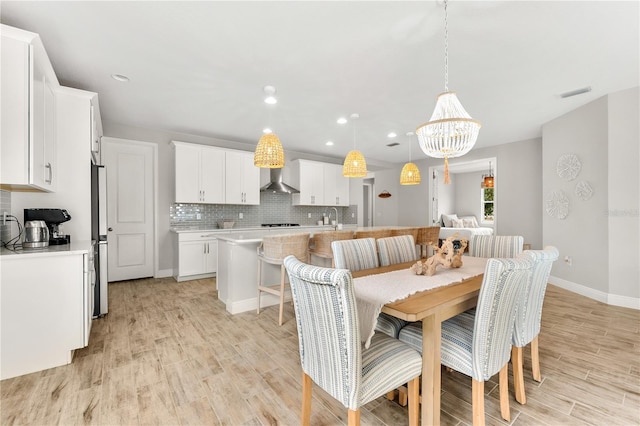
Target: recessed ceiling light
{"x":270,"y":91}
{"x":329,"y":143}
{"x":341,"y":120}
{"x":267,"y":130}
{"x":119,"y":77}
{"x":391,"y":135}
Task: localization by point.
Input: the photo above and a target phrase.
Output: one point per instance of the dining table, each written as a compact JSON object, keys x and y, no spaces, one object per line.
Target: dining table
{"x":455,"y":291}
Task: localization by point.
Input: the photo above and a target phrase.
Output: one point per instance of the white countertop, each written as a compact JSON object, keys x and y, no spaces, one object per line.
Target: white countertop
{"x":179,"y":230}
{"x":75,"y":247}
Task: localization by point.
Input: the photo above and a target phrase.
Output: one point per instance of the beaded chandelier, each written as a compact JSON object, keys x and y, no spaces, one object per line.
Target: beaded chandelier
{"x":451,"y":132}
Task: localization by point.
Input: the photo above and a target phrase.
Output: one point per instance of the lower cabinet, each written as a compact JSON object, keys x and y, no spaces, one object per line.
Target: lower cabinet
{"x":43,"y":310}
{"x":197,"y":256}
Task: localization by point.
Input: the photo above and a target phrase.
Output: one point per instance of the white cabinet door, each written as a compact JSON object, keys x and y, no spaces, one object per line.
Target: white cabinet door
{"x":187,"y":168}
{"x":211,"y":256}
{"x":330,"y":185}
{"x":191,"y":258}
{"x":212,"y":175}
{"x":308,"y":177}
{"x":27,"y":146}
{"x":242,"y":179}
{"x":342,"y":187}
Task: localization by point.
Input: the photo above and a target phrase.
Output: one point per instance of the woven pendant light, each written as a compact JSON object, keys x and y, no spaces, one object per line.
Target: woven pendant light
{"x":410,"y":174}
{"x":355,"y":165}
{"x":451,"y":132}
{"x":269,"y":153}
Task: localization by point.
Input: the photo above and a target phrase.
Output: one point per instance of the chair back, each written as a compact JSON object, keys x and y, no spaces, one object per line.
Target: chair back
{"x":503,"y":285}
{"x":323,"y":240}
{"x":373,"y":233}
{"x":428,"y":234}
{"x":398,"y":249}
{"x":277,"y":247}
{"x":356,"y":254}
{"x":501,"y":246}
{"x":328,"y":332}
{"x":529,"y":308}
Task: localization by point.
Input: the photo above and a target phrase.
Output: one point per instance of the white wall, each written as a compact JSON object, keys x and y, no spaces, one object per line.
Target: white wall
{"x":468,"y":195}
{"x":599,"y":234}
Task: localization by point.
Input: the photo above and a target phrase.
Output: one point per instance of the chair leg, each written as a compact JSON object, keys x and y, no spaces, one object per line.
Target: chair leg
{"x":259,"y":283}
{"x":477,"y":402}
{"x":414,"y":401}
{"x":391,"y":395}
{"x":282,"y":274}
{"x":354,"y":418}
{"x":305,"y":419}
{"x":535,"y":360}
{"x":504,"y":392}
{"x":518,"y":375}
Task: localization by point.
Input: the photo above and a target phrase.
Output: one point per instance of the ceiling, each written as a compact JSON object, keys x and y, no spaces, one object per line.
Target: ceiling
{"x":200,"y":67}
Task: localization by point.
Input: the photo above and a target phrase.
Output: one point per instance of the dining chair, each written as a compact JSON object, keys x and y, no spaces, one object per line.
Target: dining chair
{"x":399,"y":249}
{"x":427,"y":236}
{"x":331,"y":352}
{"x":273,"y":250}
{"x":480,"y":346}
{"x":356,"y":255}
{"x":500,"y":246}
{"x":528,"y":317}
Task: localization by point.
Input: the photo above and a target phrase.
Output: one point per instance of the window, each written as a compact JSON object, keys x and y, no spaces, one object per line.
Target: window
{"x":487,"y":205}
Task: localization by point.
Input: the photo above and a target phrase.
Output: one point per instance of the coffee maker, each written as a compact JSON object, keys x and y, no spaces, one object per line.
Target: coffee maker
{"x":53,"y":218}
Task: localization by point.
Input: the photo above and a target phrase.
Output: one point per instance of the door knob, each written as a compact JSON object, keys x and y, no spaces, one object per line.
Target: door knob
{"x":109,"y":229}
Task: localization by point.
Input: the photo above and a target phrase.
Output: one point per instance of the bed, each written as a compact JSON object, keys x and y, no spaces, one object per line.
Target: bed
{"x":464,"y":227}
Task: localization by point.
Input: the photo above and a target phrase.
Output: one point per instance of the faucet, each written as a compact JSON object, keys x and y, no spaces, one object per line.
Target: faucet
{"x":336,"y":210}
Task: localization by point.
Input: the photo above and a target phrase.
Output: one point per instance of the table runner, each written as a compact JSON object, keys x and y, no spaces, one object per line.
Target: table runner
{"x":374,"y":291}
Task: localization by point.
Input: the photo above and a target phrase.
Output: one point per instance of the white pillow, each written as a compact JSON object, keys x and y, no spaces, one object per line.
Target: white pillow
{"x":457,"y":223}
{"x":446,"y":219}
{"x":469,"y":222}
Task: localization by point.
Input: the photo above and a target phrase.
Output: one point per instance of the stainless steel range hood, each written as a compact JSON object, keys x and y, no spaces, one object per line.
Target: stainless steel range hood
{"x":276,"y":185}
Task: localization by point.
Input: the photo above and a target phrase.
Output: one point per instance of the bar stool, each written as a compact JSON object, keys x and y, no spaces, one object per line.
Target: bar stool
{"x":273,"y":250}
{"x":322,"y":243}
{"x":373,"y":233}
{"x":426,"y":236}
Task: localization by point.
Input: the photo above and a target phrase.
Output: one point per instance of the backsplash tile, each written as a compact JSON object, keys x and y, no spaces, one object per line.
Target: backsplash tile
{"x":273,"y":208}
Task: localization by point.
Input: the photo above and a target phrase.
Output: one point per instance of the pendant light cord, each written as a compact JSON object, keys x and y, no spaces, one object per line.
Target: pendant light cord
{"x":446,"y":49}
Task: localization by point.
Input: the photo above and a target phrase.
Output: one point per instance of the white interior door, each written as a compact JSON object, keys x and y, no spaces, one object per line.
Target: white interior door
{"x":130,"y":170}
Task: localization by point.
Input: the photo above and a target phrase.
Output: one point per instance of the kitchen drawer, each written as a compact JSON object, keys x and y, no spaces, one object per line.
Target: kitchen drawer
{"x":196,"y":236}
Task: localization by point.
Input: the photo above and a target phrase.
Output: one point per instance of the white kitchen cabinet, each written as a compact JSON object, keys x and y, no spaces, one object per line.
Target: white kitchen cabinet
{"x":28,"y":146}
{"x":336,"y":186}
{"x":199,"y":174}
{"x":44,"y":313}
{"x":242,"y":183}
{"x":96,"y":131}
{"x":308,"y":178}
{"x":197,"y":255}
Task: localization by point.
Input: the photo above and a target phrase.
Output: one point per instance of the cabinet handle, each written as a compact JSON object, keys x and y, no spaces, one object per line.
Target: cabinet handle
{"x":203,"y":195}
{"x":338,"y":200}
{"x":48,"y":166}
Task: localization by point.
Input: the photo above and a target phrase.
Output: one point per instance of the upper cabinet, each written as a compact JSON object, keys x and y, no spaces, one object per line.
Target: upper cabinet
{"x":210,"y":175}
{"x":308,"y":177}
{"x":28,"y":84}
{"x":320,"y":184}
{"x":200,"y":173}
{"x":336,"y":186}
{"x":242,"y":185}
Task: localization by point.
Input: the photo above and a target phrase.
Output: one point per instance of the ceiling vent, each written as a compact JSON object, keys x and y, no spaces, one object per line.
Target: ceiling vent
{"x":393,"y":144}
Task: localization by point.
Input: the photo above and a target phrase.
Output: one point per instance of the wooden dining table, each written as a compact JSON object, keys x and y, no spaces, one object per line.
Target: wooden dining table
{"x":432,"y":307}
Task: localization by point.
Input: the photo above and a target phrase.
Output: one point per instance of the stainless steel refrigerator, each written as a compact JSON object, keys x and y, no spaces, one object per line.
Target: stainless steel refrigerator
{"x":99,"y":235}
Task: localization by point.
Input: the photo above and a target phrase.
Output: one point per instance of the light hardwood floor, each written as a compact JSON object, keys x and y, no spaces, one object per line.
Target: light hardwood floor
{"x":168,"y":353}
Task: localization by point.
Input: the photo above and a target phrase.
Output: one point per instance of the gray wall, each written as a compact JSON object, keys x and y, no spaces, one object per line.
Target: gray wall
{"x":468,"y":195}
{"x":518,"y":190}
{"x":601,"y":234}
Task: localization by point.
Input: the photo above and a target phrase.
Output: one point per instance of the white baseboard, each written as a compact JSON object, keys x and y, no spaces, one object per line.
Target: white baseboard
{"x":600,"y":296}
{"x":252,"y":304}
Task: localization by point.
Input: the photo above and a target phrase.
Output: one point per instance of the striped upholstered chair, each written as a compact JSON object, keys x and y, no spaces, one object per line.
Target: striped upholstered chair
{"x":331,"y":352}
{"x":528,"y":316}
{"x":480,"y":346}
{"x":495,"y":245}
{"x":399,"y":249}
{"x":358,"y":254}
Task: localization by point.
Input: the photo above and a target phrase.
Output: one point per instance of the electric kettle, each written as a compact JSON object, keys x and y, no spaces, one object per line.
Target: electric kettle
{"x":36,"y":234}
